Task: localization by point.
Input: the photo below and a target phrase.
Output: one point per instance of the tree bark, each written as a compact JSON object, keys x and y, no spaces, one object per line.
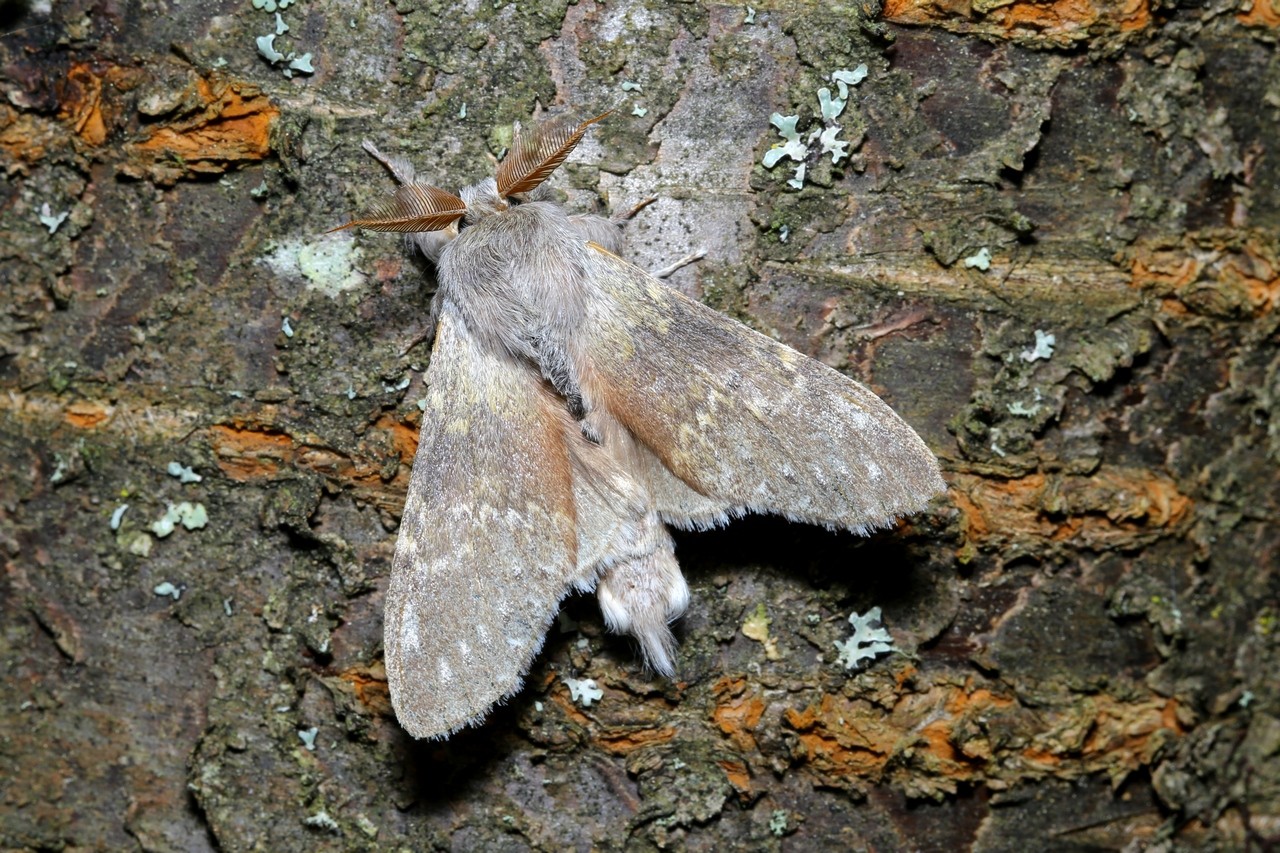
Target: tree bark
{"x":1053,"y":247}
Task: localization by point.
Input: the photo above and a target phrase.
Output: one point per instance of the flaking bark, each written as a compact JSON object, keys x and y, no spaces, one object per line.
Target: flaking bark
{"x":1088,"y":621}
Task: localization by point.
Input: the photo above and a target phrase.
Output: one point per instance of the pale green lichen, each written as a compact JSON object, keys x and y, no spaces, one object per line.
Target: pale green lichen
{"x":830,"y":108}
{"x":168,"y":589}
{"x":271,"y":5}
{"x":844,"y":78}
{"x":266,"y":48}
{"x":164,"y":525}
{"x":308,"y":738}
{"x":1022,"y":410}
{"x":402,"y":384}
{"x":837,"y":148}
{"x":331,"y":266}
{"x":136,"y":542}
{"x":368,"y":827}
{"x":300,"y":63}
{"x":1043,"y":348}
{"x":184,"y":473}
{"x":583,"y":691}
{"x":52,"y":220}
{"x":778,"y":822}
{"x":321,"y":820}
{"x":118,"y":516}
{"x":867,"y":642}
{"x":980,"y":259}
{"x":61,"y":469}
{"x":189,"y":515}
{"x":193,"y":516}
{"x":793,"y":146}
{"x":995,"y":447}
{"x":756,"y":627}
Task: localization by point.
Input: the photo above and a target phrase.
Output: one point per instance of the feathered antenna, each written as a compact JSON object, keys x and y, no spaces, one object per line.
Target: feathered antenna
{"x":538,"y":151}
{"x":413,"y":207}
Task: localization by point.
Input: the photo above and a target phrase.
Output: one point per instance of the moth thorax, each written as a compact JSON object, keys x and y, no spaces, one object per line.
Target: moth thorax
{"x":482,"y":200}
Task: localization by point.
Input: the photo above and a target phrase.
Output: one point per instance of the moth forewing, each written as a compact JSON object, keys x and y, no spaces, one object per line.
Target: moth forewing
{"x":743,"y":418}
{"x":486,"y":548}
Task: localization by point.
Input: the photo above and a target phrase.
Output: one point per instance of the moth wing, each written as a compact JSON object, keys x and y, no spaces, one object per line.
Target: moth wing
{"x":741,"y":418}
{"x":609,"y":505}
{"x":486,"y":548}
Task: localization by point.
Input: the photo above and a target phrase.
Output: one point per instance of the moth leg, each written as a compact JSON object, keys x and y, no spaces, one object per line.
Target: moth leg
{"x":597,"y":229}
{"x":641,"y":595}
{"x":669,"y":270}
{"x":626,"y":215}
{"x":608,"y":233}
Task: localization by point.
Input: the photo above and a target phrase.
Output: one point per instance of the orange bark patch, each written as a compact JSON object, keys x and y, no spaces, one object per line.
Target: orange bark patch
{"x":233,"y":128}
{"x":927,"y":11}
{"x":256,"y":451}
{"x":89,"y":102}
{"x":1210,"y":271}
{"x":87,"y":415}
{"x":1253,"y":270}
{"x":370,"y":686}
{"x":219,"y":123}
{"x":623,"y":741}
{"x":571,"y":711}
{"x":404,"y":437}
{"x":738,"y":775}
{"x":737,"y":714}
{"x":245,"y":453}
{"x":843,"y":739}
{"x":1122,"y":729}
{"x":81,"y":104}
{"x":1057,"y":15}
{"x":1053,"y":19}
{"x":1164,"y":271}
{"x":943,"y":733}
{"x":1109,"y":508}
{"x":27,"y":138}
{"x":1261,"y":13}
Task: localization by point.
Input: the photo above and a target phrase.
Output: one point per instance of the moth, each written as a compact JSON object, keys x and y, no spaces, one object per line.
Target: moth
{"x":576,"y":408}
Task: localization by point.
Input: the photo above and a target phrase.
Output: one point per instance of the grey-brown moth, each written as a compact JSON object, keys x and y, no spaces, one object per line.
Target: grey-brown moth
{"x":577,"y":407}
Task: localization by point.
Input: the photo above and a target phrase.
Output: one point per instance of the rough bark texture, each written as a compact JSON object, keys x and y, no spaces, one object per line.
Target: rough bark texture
{"x":1087,"y":624}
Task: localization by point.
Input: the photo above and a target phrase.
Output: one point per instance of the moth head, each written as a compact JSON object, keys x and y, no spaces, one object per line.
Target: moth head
{"x":535,"y":153}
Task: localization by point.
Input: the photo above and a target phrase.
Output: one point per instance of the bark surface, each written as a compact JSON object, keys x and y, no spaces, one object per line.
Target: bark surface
{"x":1053,"y":246}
